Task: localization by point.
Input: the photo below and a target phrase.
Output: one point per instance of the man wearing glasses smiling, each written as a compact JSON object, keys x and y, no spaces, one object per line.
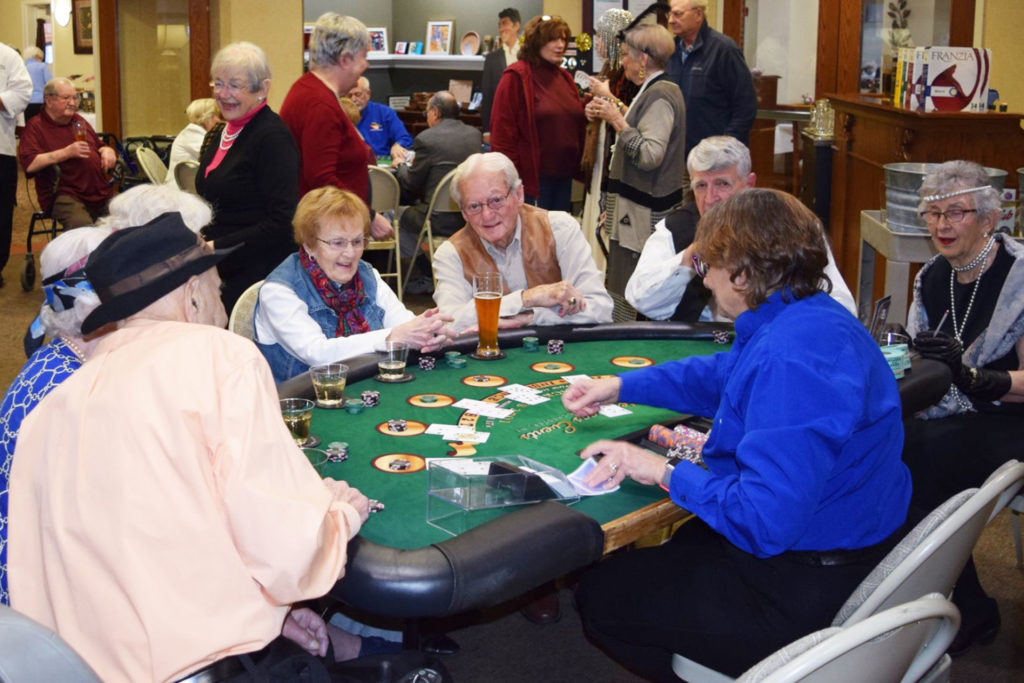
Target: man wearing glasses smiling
{"x":545,"y":262}
{"x":662,"y":286}
{"x":68,"y":160}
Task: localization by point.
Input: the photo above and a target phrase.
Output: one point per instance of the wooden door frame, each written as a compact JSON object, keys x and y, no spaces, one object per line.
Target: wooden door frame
{"x":110,"y":72}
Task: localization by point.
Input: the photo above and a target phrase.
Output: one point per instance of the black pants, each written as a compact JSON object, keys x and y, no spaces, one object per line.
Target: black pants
{"x":8,"y":195}
{"x":702,"y":597}
{"x":949,"y":455}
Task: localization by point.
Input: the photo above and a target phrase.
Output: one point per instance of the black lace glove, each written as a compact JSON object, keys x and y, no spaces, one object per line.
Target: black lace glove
{"x":980,"y":383}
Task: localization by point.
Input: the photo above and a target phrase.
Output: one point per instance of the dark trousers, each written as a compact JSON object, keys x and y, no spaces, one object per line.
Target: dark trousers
{"x":702,"y":597}
{"x":555,"y":194}
{"x":949,"y":455}
{"x":8,"y":197}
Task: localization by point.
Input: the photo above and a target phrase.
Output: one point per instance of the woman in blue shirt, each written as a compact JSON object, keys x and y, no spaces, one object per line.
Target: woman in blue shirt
{"x":804,"y":488}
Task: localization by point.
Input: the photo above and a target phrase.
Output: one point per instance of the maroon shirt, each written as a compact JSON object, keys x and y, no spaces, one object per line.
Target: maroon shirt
{"x":83,"y":179}
{"x":558,"y":112}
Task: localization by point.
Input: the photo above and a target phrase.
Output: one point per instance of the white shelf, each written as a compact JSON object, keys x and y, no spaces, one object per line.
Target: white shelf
{"x":442,"y":62}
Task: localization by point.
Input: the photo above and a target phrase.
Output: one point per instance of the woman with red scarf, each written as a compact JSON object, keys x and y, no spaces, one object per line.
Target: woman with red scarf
{"x":537,"y":117}
{"x":325,"y":303}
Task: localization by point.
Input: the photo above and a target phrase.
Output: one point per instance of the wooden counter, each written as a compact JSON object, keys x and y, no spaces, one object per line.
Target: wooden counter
{"x":869,"y":134}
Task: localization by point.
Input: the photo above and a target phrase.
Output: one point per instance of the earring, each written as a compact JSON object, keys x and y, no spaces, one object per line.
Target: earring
{"x":643,"y":72}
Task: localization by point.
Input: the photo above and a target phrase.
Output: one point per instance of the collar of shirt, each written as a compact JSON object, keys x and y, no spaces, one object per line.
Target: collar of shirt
{"x":511,"y":53}
{"x":750,"y":321}
{"x":510,"y":259}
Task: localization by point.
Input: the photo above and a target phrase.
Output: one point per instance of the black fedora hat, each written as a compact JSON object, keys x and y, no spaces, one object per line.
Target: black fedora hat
{"x":136,"y":266}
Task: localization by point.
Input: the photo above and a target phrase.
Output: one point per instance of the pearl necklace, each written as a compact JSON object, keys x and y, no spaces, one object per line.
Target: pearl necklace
{"x":74,"y":348}
{"x":978,"y":260}
{"x":228,"y":139}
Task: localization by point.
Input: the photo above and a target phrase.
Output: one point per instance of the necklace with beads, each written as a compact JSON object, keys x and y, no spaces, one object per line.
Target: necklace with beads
{"x":227,"y":139}
{"x":74,"y":348}
{"x":978,"y":260}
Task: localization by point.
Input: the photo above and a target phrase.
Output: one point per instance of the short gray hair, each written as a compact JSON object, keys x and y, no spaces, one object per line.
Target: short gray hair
{"x":50,"y":89}
{"x":64,"y":251}
{"x":717,"y":153}
{"x":33,"y":52}
{"x":248,"y":57}
{"x":491,"y":162}
{"x":445,"y":103}
{"x":335,"y":35}
{"x":961,"y":175}
{"x":653,"y":40}
{"x":142,"y":203}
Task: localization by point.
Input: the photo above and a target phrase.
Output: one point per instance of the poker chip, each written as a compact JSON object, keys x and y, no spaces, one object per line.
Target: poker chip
{"x":399,"y":464}
{"x":530,"y":344}
{"x":371,"y":398}
{"x":397,"y":425}
{"x":457,"y":363}
{"x":449,"y":355}
{"x":555,"y":346}
{"x":720,"y":336}
{"x":428,"y":399}
{"x":354,"y":406}
{"x":427,"y":363}
{"x":337,"y":451}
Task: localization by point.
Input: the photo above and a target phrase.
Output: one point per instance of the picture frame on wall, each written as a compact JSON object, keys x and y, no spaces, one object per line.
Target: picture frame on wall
{"x":400,"y":47}
{"x":81,"y":24}
{"x":439,"y":37}
{"x":378,"y":41}
{"x":416,"y":48}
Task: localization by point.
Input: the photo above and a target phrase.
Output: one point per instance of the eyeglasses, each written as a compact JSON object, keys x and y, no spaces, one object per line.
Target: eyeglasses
{"x":700,"y":266}
{"x":340,"y":243}
{"x":952,"y":215}
{"x":66,"y":98}
{"x":232,"y":87}
{"x":493,"y":203}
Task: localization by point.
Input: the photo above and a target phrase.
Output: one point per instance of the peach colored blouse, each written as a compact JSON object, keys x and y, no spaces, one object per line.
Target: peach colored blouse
{"x":161,"y":515}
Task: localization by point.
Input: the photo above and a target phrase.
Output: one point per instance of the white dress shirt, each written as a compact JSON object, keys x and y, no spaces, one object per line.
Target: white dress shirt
{"x":15,"y":92}
{"x":283,"y":318}
{"x":454,"y":295}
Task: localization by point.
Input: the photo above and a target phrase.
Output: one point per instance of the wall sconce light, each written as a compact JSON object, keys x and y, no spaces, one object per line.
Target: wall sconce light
{"x":62,"y":11}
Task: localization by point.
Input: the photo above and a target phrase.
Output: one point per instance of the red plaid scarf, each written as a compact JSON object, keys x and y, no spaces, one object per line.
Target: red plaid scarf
{"x":344,"y":300}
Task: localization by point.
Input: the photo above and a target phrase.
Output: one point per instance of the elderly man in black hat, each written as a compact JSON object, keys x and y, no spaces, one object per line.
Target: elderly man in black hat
{"x":162,"y":518}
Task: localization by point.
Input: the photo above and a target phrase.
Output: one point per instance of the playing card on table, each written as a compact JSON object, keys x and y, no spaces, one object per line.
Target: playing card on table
{"x":458,"y":433}
{"x":614,"y":410}
{"x":572,"y":379}
{"x":483,"y":408}
{"x":580,"y":473}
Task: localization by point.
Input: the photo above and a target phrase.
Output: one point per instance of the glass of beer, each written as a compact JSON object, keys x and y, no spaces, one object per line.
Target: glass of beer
{"x":487,"y":295}
{"x":329,"y":384}
{"x":391,"y":356}
{"x":79,"y":128}
{"x":298,"y":415}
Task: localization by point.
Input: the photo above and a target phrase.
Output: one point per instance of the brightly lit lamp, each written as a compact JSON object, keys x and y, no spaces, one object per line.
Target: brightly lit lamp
{"x":61,"y":11}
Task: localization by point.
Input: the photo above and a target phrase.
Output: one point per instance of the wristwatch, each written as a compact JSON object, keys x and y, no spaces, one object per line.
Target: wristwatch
{"x":670,"y":466}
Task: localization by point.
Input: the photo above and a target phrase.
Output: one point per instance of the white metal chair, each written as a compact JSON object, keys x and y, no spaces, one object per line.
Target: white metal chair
{"x":385,"y":192}
{"x":928,"y":559}
{"x":185,"y":176}
{"x":242,"y":312}
{"x":151,"y":165}
{"x":900,"y":644}
{"x":441,"y":201}
{"x":31,"y":652}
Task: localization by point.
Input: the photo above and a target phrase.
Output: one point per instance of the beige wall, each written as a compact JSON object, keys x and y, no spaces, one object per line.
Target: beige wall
{"x":274,"y":25}
{"x":1001,"y":24}
{"x":65,"y":61}
{"x":570,"y":10}
{"x":10,"y":23}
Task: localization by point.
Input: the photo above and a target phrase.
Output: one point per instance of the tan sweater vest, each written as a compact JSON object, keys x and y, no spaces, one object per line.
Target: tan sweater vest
{"x":538,"y":242}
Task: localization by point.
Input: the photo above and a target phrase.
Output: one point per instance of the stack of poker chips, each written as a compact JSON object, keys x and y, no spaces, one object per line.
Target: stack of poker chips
{"x":427,"y":363}
{"x":681,"y":436}
{"x":337,"y":451}
{"x":396,"y":425}
{"x":371,"y":398}
{"x":354,"y":406}
{"x":531,"y":344}
{"x":555,"y":347}
{"x":454,"y":359}
{"x":898,"y":358}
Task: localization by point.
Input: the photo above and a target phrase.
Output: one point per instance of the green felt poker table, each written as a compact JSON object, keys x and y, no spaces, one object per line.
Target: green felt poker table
{"x":400,"y":565}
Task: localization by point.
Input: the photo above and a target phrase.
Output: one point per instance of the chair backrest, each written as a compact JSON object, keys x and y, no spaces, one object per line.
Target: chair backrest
{"x":384,"y":189}
{"x":185,"y":176}
{"x":31,"y":652}
{"x":240,"y":321}
{"x":930,"y":558}
{"x":900,"y":644}
{"x":151,"y":165}
{"x":442,"y":198}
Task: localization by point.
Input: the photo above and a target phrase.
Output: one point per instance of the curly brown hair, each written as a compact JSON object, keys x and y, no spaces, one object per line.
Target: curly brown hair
{"x":769,"y":237}
{"x":540,"y":31}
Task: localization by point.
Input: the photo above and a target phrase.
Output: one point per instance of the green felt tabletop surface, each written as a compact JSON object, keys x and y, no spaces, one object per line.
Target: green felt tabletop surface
{"x":544,"y":432}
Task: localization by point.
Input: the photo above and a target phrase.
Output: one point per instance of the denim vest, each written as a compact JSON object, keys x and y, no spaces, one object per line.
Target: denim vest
{"x":291,"y":274}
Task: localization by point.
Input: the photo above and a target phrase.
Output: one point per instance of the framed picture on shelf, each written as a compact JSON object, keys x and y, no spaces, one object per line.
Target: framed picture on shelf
{"x":400,"y":47}
{"x":378,"y":41}
{"x":81,"y":19}
{"x":439,"y":37}
{"x":416,"y":48}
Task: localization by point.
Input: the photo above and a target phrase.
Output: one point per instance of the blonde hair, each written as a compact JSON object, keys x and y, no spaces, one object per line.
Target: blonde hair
{"x":201,"y":111}
{"x":327,"y":203}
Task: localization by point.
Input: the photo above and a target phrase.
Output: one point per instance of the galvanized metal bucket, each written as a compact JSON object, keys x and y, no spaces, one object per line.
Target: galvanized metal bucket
{"x":902,"y":184}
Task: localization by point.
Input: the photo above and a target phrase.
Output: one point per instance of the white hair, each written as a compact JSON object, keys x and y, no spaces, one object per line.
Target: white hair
{"x":143,"y":203}
{"x":491,"y":162}
{"x":717,"y":153}
{"x":32,"y":52}
{"x":64,"y":251}
{"x":335,"y":35}
{"x":248,"y":57}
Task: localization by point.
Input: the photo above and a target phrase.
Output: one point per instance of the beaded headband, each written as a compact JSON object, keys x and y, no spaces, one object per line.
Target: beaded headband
{"x":954,"y":193}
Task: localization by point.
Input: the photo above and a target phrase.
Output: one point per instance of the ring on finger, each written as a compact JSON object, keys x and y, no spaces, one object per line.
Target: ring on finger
{"x":572,"y":301}
{"x":614,"y":467}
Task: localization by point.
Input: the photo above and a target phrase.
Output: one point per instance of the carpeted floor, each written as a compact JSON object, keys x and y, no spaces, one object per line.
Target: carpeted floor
{"x":502,"y":647}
